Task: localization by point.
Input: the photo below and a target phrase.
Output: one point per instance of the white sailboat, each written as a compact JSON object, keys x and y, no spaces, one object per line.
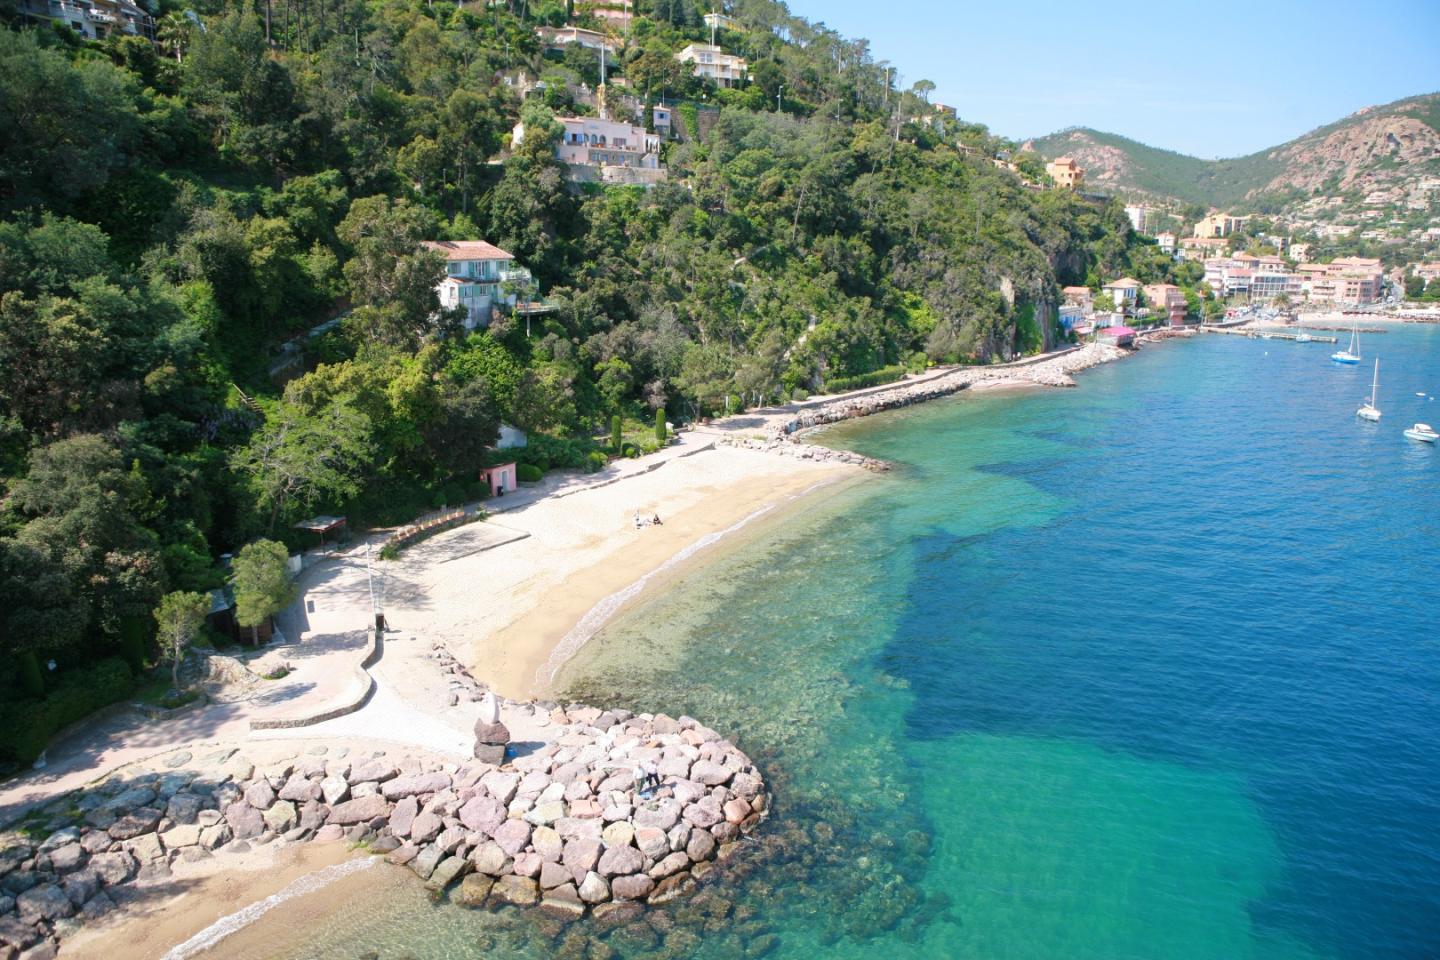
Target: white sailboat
{"x":1350,"y":354}
{"x":1368,"y":410}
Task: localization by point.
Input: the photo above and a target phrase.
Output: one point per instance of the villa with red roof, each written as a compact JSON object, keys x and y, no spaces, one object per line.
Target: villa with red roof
{"x":474,"y":271}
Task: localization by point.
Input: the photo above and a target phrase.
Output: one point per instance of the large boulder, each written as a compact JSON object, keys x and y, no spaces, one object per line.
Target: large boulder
{"x":547,"y":843}
{"x":425,"y":826}
{"x":473,"y":890}
{"x":362,"y":810}
{"x":44,"y":902}
{"x":501,"y":786}
{"x":512,"y":836}
{"x":403,"y":816}
{"x":138,"y":821}
{"x":244,"y":820}
{"x":519,"y":891}
{"x":634,"y":887}
{"x":447,"y":872}
{"x":372,"y":771}
{"x":710,"y":773}
{"x":415,"y":784}
{"x":281,"y":816}
{"x":580,"y":857}
{"x":426,"y":861}
{"x":661,"y":815}
{"x":617,"y":861}
{"x":482,"y":814}
{"x":260,"y":795}
{"x":489,"y":858}
{"x":593,"y":888}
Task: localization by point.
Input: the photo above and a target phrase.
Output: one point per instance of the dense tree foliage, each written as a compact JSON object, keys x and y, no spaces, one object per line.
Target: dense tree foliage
{"x":216,"y":316}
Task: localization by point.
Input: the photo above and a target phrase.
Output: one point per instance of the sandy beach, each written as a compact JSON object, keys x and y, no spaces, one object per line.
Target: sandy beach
{"x":515,"y":612}
{"x":155,"y":920}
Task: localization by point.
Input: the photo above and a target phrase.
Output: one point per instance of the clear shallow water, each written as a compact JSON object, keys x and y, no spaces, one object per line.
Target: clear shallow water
{"x":1144,"y":669}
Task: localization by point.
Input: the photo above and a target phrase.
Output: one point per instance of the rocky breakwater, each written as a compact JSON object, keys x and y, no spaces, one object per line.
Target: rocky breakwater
{"x":566,"y":826}
{"x":571,"y":826}
{"x":1054,"y":371}
{"x":806,"y":451}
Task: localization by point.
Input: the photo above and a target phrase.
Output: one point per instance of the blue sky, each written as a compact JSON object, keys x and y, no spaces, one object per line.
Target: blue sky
{"x":1220,"y":78}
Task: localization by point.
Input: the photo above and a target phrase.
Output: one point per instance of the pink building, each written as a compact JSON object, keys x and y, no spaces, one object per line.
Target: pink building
{"x":1167,"y":299}
{"x":502,"y":478}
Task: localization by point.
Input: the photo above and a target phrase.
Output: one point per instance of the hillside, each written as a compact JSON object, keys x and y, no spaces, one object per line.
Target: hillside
{"x":1379,"y":148}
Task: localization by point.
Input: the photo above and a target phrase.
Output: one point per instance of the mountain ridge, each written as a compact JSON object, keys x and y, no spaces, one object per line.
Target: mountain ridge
{"x":1372,"y":148}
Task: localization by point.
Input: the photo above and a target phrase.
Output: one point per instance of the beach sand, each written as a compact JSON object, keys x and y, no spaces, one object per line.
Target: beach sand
{"x":516,"y":612}
{"x":157,"y":917}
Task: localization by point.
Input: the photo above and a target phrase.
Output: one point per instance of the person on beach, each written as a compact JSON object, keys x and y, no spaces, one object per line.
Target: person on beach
{"x":656,"y":521}
{"x":638,"y":522}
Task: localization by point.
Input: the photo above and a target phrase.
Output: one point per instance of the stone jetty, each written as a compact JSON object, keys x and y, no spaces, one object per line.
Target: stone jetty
{"x":782,"y":439}
{"x":564,"y":826}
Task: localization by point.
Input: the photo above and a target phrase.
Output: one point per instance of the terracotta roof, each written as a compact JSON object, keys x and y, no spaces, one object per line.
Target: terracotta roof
{"x":1124,"y":283}
{"x":467,"y":250}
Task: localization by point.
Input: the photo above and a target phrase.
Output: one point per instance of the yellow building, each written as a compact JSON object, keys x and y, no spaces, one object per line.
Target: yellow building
{"x":1219,"y":225}
{"x":1066,"y":173}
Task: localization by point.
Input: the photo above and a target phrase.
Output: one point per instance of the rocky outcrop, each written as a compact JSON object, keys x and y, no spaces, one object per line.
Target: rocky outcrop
{"x":563,"y":827}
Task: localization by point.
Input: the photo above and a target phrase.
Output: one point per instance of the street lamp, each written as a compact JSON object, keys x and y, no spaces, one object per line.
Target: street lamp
{"x":778,"y":94}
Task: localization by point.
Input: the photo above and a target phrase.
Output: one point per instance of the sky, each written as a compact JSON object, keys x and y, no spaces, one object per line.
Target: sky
{"x":1214,"y":79}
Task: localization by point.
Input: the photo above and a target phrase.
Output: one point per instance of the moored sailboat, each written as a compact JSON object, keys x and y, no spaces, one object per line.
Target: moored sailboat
{"x":1350,"y":354}
{"x":1368,"y":410}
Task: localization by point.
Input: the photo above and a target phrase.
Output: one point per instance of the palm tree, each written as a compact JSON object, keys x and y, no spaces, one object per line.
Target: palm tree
{"x":173,"y":32}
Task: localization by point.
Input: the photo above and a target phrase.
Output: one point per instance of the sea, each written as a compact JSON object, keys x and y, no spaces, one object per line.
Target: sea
{"x":1149,"y":668}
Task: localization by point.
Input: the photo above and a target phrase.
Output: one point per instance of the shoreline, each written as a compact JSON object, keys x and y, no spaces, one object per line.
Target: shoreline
{"x":516,"y":612}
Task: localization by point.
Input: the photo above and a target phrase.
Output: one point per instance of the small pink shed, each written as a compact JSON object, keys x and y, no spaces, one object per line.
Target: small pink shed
{"x":501,"y":477}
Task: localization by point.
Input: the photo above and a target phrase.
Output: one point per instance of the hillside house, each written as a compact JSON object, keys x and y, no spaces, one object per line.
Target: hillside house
{"x":719,"y":21}
{"x":91,"y":19}
{"x":597,"y":142}
{"x":709,"y":61}
{"x":1166,"y":242}
{"x":474,"y":271}
{"x":1079,"y":296}
{"x":1168,"y":300}
{"x":619,"y":13}
{"x":1066,"y":173}
{"x":1125,"y":292}
{"x":560,"y":37}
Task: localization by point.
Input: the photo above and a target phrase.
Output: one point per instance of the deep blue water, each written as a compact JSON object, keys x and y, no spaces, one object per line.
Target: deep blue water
{"x":1145,"y":669}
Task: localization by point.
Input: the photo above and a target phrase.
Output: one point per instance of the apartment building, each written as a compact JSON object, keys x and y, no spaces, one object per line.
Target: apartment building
{"x":92,"y":19}
{"x":709,"y":61}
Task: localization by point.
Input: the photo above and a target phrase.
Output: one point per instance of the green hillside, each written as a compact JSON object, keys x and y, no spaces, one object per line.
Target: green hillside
{"x":1377,"y":147}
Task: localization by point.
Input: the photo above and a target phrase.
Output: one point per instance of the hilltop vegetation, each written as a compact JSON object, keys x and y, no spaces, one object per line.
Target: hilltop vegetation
{"x":1380,"y":147}
{"x":172,"y":215}
{"x":1117,"y":163}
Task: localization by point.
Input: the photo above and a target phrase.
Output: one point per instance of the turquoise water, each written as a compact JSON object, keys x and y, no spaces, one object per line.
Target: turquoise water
{"x":1146,"y":669}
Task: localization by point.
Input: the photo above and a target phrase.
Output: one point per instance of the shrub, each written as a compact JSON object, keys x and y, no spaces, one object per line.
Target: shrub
{"x":595,"y":460}
{"x":629,"y":450}
{"x":528,"y":473}
{"x":32,"y":681}
{"x":616,"y":433}
{"x":26,"y":726}
{"x":660,"y":433}
{"x":801,"y":393}
{"x":871,"y":379}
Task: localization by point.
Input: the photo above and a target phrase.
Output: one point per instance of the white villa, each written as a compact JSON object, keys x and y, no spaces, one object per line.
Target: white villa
{"x":474,"y":271}
{"x":620,"y":152}
{"x":710,"y":61}
{"x":91,"y":19}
